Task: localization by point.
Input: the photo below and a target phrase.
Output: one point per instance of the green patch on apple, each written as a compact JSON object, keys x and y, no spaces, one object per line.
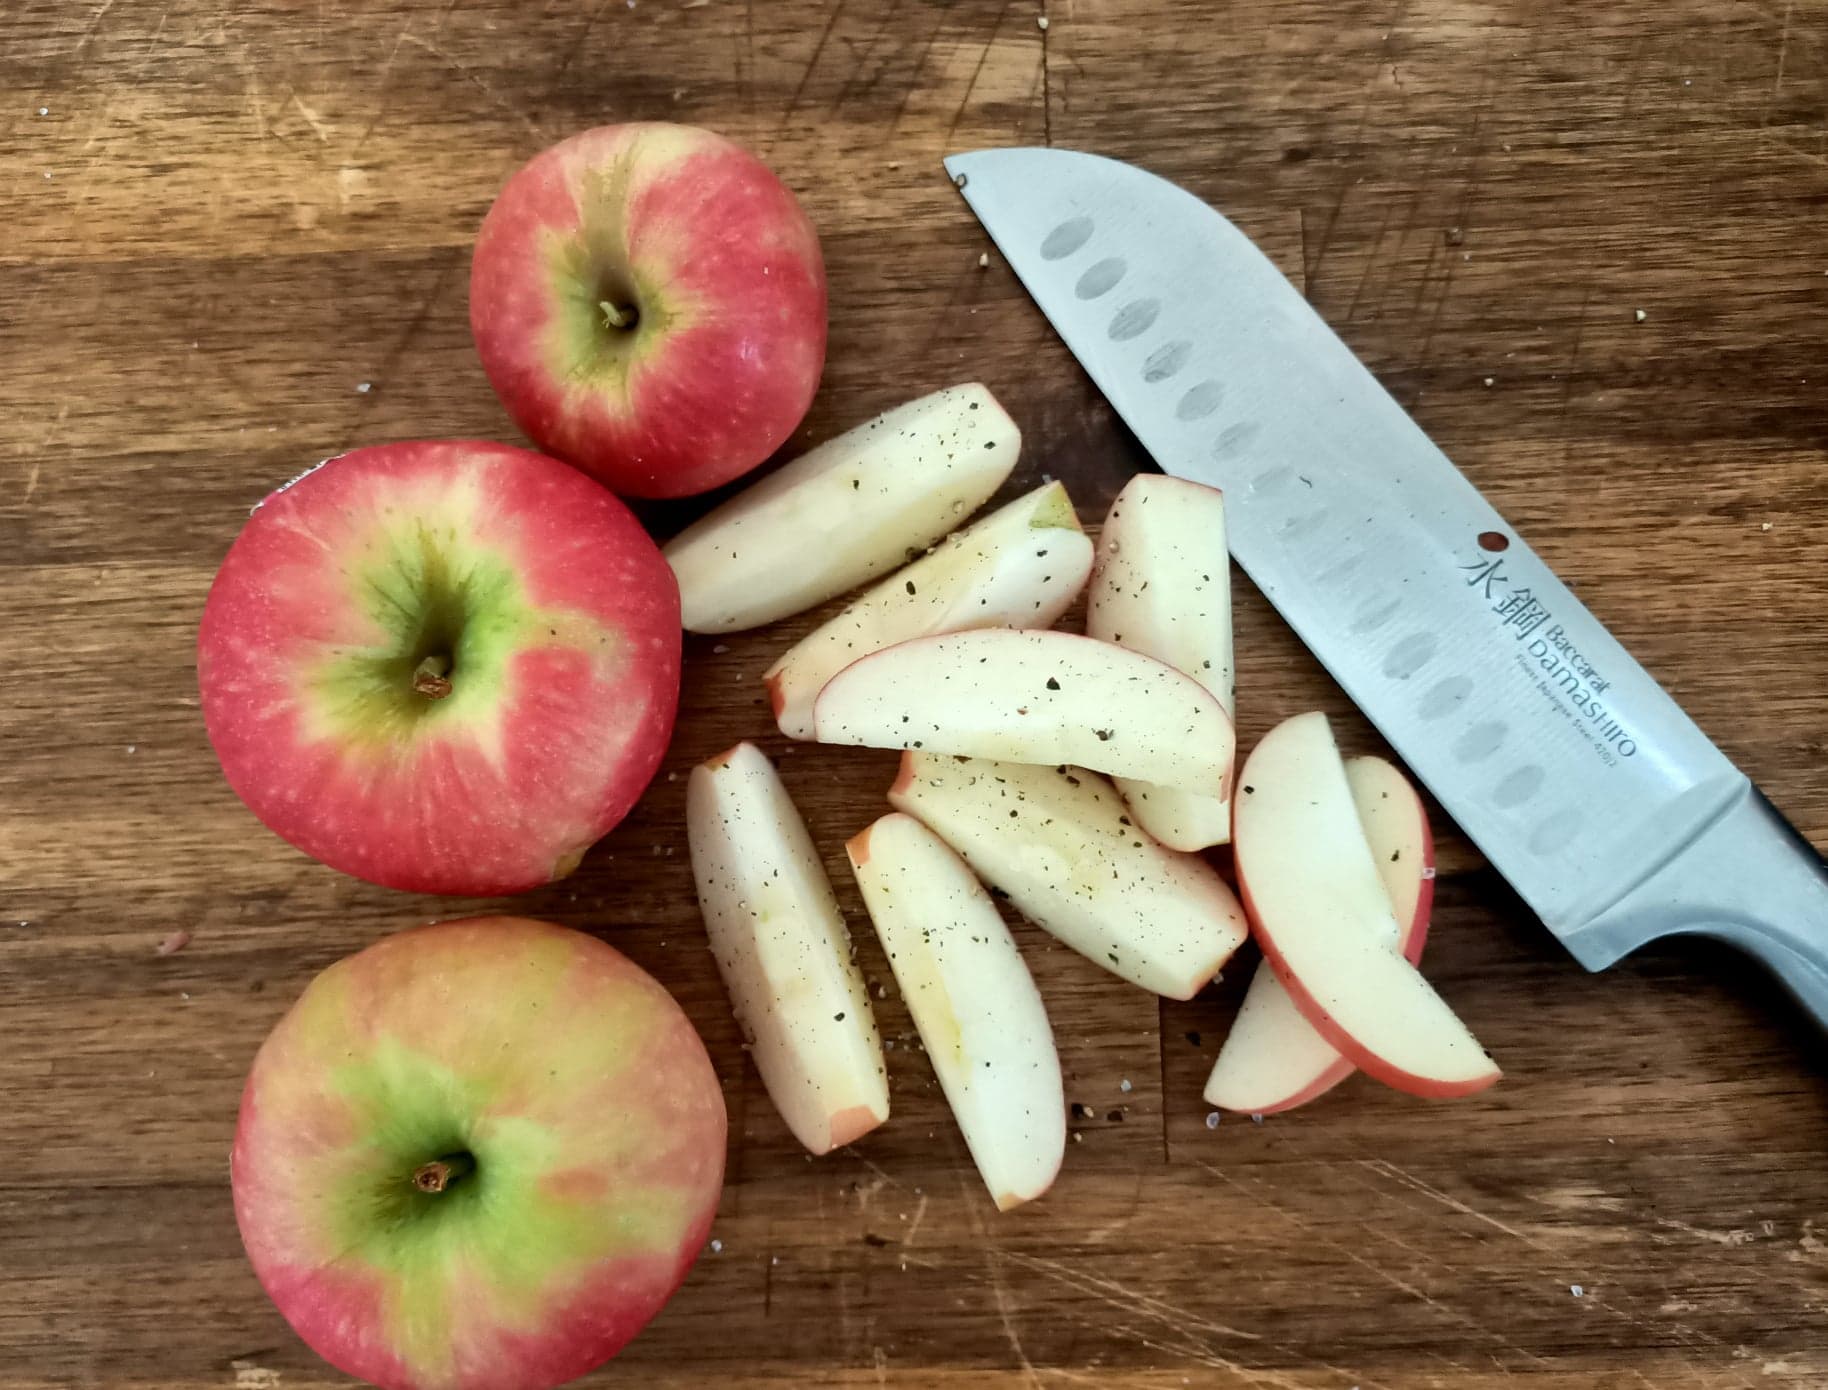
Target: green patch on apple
{"x":453,"y":614}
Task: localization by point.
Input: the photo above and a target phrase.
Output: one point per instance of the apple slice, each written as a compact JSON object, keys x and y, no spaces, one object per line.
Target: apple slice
{"x":1273,"y":1059}
{"x":1320,"y":912}
{"x":780,"y":943}
{"x":849,"y":510}
{"x":975,"y":1004}
{"x":1033,"y":697}
{"x":1021,"y":566}
{"x":1162,"y":587}
{"x":1056,"y":840}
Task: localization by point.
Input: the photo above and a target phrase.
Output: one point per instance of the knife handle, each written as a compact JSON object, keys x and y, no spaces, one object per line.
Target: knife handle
{"x":1749,"y":879}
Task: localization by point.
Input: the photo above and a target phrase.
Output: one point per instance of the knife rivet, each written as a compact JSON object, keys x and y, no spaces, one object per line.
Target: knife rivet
{"x":1494,"y":541}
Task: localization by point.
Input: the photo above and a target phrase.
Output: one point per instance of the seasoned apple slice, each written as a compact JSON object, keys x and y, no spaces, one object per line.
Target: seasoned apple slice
{"x":979,"y":1014}
{"x":1273,"y":1059}
{"x":780,"y":943}
{"x":1162,"y":586}
{"x":845,"y":512}
{"x":1021,"y":566}
{"x":1320,"y":911}
{"x":1033,"y":697}
{"x":1057,"y":841}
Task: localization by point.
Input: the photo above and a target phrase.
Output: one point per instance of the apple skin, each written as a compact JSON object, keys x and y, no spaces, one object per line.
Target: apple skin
{"x":562,"y":620}
{"x":723,"y":271}
{"x":596,"y":1125}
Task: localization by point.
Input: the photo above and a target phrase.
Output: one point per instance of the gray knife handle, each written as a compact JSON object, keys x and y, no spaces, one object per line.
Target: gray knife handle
{"x":1749,"y":879}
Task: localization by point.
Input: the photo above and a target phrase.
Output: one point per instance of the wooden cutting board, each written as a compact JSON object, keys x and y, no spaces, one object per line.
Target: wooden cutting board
{"x":1582,"y":243}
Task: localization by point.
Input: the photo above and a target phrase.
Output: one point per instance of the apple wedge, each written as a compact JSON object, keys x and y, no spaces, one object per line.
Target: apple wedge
{"x":979,"y":1014}
{"x":780,"y":943}
{"x":1033,"y":697}
{"x":1021,"y":566}
{"x":1056,"y":840}
{"x":1162,"y":586}
{"x":1273,"y":1059}
{"x":845,"y":512}
{"x":1320,"y":911}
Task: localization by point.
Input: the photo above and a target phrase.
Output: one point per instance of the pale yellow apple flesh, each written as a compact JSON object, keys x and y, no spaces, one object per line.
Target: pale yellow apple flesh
{"x":1162,"y":586}
{"x":780,"y":943}
{"x":1059,"y":843}
{"x":973,"y":1001}
{"x":1273,"y":1059}
{"x":1021,"y":566}
{"x":1323,"y":918}
{"x":847,"y":511}
{"x":1033,"y":697}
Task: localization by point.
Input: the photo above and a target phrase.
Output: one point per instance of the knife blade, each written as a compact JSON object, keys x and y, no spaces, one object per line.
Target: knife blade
{"x":1612,"y":815}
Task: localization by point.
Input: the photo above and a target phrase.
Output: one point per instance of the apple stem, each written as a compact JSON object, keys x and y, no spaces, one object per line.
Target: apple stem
{"x":615,"y":316}
{"x":440,"y":1173}
{"x":432,"y":677}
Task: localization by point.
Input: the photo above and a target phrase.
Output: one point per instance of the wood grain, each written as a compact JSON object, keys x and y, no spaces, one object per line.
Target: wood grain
{"x":222,"y":219}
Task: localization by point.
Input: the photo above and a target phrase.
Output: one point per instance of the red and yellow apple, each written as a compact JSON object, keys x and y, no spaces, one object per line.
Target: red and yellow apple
{"x":442,"y":666}
{"x":477,"y":1156}
{"x":649,"y":302}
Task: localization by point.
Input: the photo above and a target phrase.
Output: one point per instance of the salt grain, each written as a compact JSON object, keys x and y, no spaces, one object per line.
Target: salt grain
{"x":1256,"y":1119}
{"x":983,"y":259}
{"x":44,"y":111}
{"x":1041,"y":23}
{"x":1212,"y":1120}
{"x":717,"y":1246}
{"x":1577,"y":1290}
{"x":1124,"y":1085}
{"x":1764,"y":526}
{"x":364,"y":387}
{"x":720,"y":649}
{"x":1639,"y":315}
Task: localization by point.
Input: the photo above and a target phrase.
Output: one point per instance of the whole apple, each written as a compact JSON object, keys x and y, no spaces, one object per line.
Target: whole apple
{"x":477,"y":1156}
{"x":443,"y":666}
{"x":649,"y":302}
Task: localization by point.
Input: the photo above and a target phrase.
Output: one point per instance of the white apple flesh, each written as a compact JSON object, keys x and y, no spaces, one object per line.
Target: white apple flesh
{"x":1022,"y":566}
{"x":1058,"y":842}
{"x":780,"y":943}
{"x":1273,"y":1059}
{"x":843,"y":513}
{"x":1323,"y":918}
{"x":1162,"y":586}
{"x":1033,"y":697}
{"x":973,"y":1001}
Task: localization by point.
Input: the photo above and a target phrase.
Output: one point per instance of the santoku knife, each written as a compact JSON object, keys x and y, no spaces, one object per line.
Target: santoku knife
{"x":1582,"y":781}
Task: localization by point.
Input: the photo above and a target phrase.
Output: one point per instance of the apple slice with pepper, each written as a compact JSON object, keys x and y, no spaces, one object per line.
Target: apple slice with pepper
{"x":852,"y":508}
{"x":1021,"y":566}
{"x":979,"y":1014}
{"x":780,"y":943}
{"x":1058,"y":842}
{"x":1033,"y":697}
{"x":1162,"y":586}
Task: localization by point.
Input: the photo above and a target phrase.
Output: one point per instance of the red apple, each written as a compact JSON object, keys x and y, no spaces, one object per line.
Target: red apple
{"x":443,"y":666}
{"x":477,"y":1156}
{"x":649,"y":302}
